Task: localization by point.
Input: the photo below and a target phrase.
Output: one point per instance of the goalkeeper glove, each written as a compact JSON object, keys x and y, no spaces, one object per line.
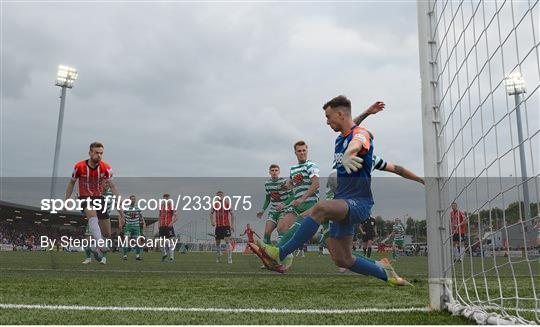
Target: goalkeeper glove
{"x":351,"y":163}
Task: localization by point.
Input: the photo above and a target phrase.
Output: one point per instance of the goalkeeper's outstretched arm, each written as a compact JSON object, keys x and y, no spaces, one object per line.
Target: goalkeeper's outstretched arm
{"x":371,"y":110}
{"x":403,"y":172}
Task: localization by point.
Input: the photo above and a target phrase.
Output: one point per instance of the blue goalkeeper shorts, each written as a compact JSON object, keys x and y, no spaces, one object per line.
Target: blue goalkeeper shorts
{"x":358,"y":213}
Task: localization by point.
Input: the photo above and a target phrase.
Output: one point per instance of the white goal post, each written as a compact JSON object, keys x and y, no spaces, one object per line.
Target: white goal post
{"x":480,"y":81}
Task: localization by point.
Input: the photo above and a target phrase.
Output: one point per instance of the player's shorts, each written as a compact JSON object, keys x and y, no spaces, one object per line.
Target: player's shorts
{"x":368,"y":237}
{"x":357,"y":214}
{"x":398,"y":243}
{"x":275,"y":216}
{"x":458,"y":237}
{"x":297,"y":210}
{"x":132,"y":231}
{"x":222,"y":232}
{"x":166,"y":231}
{"x":100,"y":213}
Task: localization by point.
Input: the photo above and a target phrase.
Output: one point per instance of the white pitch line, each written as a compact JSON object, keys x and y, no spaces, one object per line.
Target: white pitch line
{"x":208,"y":272}
{"x":214,"y":310}
{"x":187,"y":272}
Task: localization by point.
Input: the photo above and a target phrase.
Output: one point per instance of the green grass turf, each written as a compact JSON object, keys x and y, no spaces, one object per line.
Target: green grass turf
{"x":195,"y":280}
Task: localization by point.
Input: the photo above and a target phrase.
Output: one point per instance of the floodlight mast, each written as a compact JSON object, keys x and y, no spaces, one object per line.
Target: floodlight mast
{"x":65,"y":79}
{"x":515,"y":85}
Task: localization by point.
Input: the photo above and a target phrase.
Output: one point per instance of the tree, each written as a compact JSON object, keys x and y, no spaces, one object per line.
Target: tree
{"x":422,"y":231}
{"x":379,"y":223}
{"x":388,"y":227}
{"x":410,"y":226}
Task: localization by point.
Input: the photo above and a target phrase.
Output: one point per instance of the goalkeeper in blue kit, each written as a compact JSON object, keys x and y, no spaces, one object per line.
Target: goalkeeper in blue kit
{"x":351,"y":205}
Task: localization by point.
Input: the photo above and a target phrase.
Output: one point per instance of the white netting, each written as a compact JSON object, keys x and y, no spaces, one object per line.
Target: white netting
{"x":487,"y":130}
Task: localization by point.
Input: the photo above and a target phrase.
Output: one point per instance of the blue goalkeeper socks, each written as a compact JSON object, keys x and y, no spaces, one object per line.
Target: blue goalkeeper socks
{"x":305,"y":232}
{"x":366,"y":267}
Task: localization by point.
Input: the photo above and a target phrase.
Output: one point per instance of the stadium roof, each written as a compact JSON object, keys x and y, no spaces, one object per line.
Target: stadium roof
{"x":14,"y":212}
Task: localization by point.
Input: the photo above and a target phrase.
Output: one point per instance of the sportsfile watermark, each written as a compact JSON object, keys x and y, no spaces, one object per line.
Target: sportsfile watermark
{"x":69,"y":242}
{"x":183,"y":202}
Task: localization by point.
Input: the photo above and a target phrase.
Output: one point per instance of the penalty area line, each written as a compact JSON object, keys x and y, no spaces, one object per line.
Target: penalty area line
{"x":211,"y":310}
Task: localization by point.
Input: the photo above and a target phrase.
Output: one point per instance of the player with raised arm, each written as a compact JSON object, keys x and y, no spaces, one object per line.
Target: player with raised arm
{"x":378,"y":162}
{"x":221,"y":217}
{"x":351,"y":205}
{"x":250,"y":232}
{"x":131,"y":226}
{"x":167,"y":218}
{"x":277,"y":198}
{"x":93,"y":175}
{"x":304,"y":182}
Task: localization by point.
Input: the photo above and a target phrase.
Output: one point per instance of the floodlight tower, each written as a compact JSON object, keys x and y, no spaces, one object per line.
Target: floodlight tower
{"x":65,"y":78}
{"x":515,"y":85}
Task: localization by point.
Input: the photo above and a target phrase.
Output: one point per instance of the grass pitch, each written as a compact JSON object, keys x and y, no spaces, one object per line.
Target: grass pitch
{"x":195,"y":280}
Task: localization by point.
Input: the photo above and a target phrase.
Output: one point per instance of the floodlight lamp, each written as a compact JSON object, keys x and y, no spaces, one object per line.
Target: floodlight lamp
{"x":66,"y":76}
{"x":515,"y":84}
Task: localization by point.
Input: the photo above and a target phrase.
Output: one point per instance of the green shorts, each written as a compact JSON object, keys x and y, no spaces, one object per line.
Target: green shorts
{"x":132,"y":231}
{"x":301,"y":208}
{"x":398,"y":243}
{"x":275,"y":216}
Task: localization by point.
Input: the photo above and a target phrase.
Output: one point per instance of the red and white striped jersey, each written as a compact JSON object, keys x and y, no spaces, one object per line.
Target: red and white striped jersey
{"x":91,"y":180}
{"x":166,"y":213}
{"x":222,"y":210}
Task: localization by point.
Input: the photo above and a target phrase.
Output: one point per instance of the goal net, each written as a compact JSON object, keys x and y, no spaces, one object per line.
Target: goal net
{"x":480,"y":70}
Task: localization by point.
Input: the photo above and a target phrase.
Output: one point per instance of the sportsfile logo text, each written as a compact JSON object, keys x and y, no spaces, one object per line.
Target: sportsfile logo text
{"x":186,"y":203}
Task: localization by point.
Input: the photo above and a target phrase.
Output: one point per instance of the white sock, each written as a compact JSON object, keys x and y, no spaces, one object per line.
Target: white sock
{"x":93,"y":225}
{"x":229,"y":251}
{"x":171,"y":252}
{"x":163,"y":251}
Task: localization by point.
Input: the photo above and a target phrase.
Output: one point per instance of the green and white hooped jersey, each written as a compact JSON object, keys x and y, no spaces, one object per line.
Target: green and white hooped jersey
{"x":277,"y":195}
{"x":399,"y":232}
{"x":133,"y":216}
{"x":301,"y":175}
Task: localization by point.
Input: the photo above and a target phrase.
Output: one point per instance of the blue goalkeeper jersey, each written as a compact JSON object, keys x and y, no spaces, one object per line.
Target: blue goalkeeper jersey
{"x":356,"y":185}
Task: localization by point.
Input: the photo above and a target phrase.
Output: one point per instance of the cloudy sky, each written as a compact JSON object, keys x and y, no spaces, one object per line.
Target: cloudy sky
{"x":225,"y":89}
{"x":210,"y":89}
